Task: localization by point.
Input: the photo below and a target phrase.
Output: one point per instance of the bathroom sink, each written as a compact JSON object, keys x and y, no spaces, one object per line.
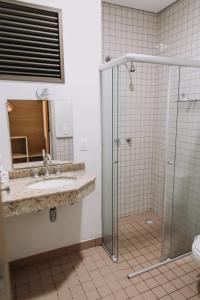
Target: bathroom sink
{"x":51,"y":183}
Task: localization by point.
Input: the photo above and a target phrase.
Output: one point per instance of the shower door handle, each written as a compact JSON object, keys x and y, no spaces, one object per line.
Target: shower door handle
{"x":115,"y":162}
{"x":170,"y":162}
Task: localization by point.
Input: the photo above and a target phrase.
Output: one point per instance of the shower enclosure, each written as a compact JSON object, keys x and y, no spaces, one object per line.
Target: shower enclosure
{"x":150,"y":158}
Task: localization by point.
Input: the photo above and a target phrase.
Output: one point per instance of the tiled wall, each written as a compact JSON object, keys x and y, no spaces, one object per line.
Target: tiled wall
{"x":178,"y":29}
{"x":178,"y":32}
{"x":136,"y":122}
{"x":178,"y":36}
{"x":173,"y":32}
{"x":64,"y":149}
{"x":129,"y":30}
{"x":162,"y":79}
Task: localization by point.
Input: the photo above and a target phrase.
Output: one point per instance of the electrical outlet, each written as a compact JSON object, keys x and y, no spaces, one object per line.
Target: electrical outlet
{"x":84,"y":144}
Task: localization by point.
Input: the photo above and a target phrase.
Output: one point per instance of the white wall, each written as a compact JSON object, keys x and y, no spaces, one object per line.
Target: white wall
{"x":33,"y":233}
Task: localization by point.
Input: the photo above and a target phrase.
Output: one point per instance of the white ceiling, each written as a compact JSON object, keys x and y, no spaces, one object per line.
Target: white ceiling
{"x":149,"y":5}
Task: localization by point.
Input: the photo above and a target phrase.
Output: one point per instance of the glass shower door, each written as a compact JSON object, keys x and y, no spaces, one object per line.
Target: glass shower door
{"x":109,"y":112}
{"x":186,"y":187}
{"x":171,"y":125}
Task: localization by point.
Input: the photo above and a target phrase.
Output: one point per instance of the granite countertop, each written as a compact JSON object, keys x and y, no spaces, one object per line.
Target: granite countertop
{"x":23,"y":199}
{"x":37,"y":164}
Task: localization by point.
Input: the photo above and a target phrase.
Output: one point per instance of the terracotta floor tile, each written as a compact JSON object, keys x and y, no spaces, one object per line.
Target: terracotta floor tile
{"x":88,"y":286}
{"x":168,"y":287}
{"x":159,"y":291}
{"x":109,"y":297}
{"x":91,"y":267}
{"x":92,"y":295}
{"x":151,"y":283}
{"x":121,"y":295}
{"x":145,"y":276}
{"x":195,"y":286}
{"x":187,"y":279}
{"x":109,"y":278}
{"x":178,"y":283}
{"x":138,"y":297}
{"x":76,"y":290}
{"x":131,"y":291}
{"x":83,"y":278}
{"x":155,"y":272}
{"x":167,"y":297}
{"x":103,"y":290}
{"x":114,"y":287}
{"x":164,"y":269}
{"x":170,"y":275}
{"x":99,"y":281}
{"x":95,"y":274}
{"x":149,"y":295}
{"x":125,"y":282}
{"x":161,"y":279}
{"x":80,"y":297}
{"x":133,"y":231}
{"x":51,"y":295}
{"x":141,"y":287}
{"x":64,"y":294}
{"x":109,"y":282}
{"x":187,"y":292}
{"x":178,"y":271}
{"x":177,"y":296}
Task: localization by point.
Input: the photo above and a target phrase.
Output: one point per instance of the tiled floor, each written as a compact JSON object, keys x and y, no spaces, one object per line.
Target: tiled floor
{"x":92,"y":275}
{"x":140,"y":243}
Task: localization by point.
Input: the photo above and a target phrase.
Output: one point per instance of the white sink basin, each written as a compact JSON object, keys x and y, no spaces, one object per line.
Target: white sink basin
{"x":52,"y":183}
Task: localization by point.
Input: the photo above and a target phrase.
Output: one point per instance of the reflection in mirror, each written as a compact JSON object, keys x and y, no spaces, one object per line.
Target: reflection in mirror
{"x":40,"y":124}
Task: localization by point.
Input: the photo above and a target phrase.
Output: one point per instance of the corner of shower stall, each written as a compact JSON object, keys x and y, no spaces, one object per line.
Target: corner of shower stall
{"x":143,"y":173}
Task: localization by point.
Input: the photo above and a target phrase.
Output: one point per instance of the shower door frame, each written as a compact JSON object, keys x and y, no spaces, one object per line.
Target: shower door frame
{"x":133,"y":57}
{"x":113,"y":253}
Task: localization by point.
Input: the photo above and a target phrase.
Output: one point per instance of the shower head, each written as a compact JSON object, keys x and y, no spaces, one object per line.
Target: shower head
{"x":132,"y":68}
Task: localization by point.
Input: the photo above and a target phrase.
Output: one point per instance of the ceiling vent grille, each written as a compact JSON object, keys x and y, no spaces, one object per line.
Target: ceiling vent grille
{"x":31,"y":46}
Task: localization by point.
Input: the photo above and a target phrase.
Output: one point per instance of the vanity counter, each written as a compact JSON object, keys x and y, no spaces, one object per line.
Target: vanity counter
{"x":22,"y":199}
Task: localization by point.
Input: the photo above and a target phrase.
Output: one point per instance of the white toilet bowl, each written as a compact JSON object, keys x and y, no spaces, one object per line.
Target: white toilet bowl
{"x":196,"y":248}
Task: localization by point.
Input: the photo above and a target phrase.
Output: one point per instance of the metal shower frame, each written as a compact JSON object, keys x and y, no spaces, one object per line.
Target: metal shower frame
{"x":141,"y":58}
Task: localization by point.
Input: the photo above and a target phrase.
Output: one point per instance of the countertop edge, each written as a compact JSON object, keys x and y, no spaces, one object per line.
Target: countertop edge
{"x":58,"y":199}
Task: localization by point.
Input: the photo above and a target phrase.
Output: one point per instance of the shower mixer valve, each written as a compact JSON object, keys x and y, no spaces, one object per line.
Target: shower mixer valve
{"x":128,"y":140}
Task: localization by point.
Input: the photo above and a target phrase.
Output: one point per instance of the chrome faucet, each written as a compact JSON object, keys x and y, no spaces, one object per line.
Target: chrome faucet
{"x":46,"y":161}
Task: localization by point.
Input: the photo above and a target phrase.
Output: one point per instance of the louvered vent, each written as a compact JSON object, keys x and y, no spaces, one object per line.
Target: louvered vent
{"x":30,"y":42}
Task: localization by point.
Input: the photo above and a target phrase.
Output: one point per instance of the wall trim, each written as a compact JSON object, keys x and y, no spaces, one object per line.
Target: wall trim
{"x":37,"y":258}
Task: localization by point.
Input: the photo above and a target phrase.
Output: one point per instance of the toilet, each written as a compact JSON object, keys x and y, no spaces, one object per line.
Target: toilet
{"x":196,"y":248}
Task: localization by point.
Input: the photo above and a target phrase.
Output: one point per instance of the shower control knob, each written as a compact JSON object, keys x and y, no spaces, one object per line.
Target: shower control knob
{"x":128,"y":140}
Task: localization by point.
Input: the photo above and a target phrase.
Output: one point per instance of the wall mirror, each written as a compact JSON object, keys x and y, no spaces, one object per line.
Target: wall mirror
{"x":36,"y":125}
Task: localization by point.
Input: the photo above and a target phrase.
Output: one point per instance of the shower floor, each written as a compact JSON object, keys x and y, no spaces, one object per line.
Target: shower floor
{"x":139,"y":243}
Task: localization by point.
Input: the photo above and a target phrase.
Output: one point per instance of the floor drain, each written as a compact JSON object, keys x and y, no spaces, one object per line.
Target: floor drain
{"x":149,"y":221}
